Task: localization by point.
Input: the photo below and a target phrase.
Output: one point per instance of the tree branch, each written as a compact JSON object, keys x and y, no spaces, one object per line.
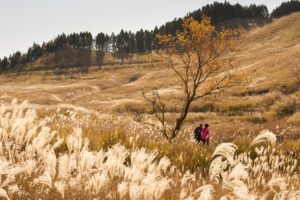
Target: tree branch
{"x":158,"y":108}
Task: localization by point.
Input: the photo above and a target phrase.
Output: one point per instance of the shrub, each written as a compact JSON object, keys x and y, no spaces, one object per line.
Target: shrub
{"x":267,"y":101}
{"x":238,"y":108}
{"x":207,"y":106}
{"x":131,"y":107}
{"x":285,"y":108}
{"x":251,"y":91}
{"x":288,"y":88}
{"x":295,"y":118}
{"x":134,"y":77}
{"x":255,"y":119}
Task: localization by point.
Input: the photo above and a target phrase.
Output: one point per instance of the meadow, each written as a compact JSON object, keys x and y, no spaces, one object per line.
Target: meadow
{"x":85,"y":136}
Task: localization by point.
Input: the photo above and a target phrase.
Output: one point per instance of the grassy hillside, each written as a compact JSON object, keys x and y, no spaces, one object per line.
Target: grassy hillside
{"x":46,"y":157}
{"x":266,"y":54}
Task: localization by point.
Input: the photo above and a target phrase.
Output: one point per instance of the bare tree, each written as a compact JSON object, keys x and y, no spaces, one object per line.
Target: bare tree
{"x":196,"y":55}
{"x":159,"y":109}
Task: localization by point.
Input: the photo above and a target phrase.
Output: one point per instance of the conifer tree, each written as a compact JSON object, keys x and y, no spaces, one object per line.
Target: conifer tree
{"x":112,"y":42}
{"x":4,"y":65}
{"x":100,"y":42}
{"x":15,"y":59}
{"x":140,"y":41}
{"x":132,"y":43}
{"x":35,"y":52}
{"x":148,"y":40}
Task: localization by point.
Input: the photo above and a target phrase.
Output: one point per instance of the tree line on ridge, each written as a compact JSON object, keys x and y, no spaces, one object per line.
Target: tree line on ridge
{"x":127,"y":43}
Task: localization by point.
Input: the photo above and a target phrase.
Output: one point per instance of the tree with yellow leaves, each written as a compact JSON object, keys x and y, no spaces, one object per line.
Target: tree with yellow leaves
{"x":201,"y":66}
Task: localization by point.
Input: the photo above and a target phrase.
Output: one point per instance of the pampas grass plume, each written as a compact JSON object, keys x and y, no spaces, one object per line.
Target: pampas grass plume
{"x":265,"y":136}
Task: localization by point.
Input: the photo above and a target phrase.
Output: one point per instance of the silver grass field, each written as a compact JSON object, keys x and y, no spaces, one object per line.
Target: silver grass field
{"x":37,"y":162}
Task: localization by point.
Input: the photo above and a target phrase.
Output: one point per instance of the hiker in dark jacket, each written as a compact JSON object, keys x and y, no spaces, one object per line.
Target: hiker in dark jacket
{"x":198,"y":133}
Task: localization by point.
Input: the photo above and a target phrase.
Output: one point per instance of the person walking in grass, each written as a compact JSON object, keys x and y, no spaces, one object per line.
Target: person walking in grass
{"x":198,"y":133}
{"x":205,"y":134}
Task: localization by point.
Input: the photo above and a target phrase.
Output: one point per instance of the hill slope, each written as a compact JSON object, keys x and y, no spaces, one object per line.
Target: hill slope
{"x":268,"y":54}
{"x":272,"y":52}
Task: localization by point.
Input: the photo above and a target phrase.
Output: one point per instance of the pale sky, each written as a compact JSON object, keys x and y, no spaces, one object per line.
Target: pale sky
{"x":23,"y":22}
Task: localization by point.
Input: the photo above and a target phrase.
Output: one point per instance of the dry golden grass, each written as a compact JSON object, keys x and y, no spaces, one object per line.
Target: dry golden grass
{"x":266,"y":54}
{"x":108,"y":106}
{"x":49,"y":157}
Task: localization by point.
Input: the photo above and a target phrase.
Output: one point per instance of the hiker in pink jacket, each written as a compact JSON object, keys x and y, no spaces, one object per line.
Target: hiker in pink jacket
{"x":205,"y":134}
